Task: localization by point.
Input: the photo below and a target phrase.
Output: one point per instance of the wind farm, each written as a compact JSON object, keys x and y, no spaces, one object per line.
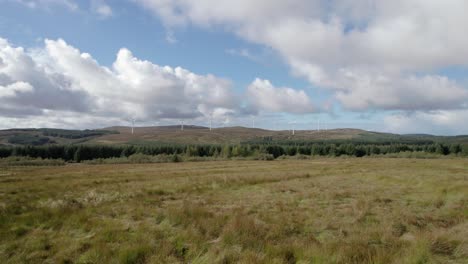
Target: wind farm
{"x":225,"y":132}
{"x":196,"y":134}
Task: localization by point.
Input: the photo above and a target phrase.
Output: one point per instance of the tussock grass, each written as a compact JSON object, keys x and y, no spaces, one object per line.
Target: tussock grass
{"x":344,"y":210}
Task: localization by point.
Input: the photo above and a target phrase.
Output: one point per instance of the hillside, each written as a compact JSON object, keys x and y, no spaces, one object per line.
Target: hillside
{"x":202,"y":135}
{"x":47,"y":136}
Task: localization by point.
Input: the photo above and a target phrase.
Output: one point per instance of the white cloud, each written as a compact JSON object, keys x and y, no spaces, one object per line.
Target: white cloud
{"x":62,"y":119}
{"x":140,"y":88}
{"x":244,"y":53}
{"x":13,"y":89}
{"x":265,"y":97}
{"x":28,"y":88}
{"x":170,"y":37}
{"x":241,"y":12}
{"x":370,"y":53}
{"x":62,"y":81}
{"x":101,"y":8}
{"x":454,"y":122}
{"x":361,"y":91}
{"x":47,"y":3}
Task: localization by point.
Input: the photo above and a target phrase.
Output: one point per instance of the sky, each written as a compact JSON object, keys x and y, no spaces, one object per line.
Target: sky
{"x":396,"y":66}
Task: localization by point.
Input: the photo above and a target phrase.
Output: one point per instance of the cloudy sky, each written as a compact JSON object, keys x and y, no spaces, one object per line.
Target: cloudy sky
{"x":398,"y":66}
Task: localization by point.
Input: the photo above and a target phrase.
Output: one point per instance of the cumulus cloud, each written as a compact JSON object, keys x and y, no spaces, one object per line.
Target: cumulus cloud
{"x":443,"y":122}
{"x":362,"y":91}
{"x":141,"y":88}
{"x":61,"y":80}
{"x":265,"y":97}
{"x":369,"y":53}
{"x":27,"y":87}
{"x":13,"y":89}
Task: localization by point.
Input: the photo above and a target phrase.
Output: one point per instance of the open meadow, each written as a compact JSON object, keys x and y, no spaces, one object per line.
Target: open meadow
{"x":327,"y":210}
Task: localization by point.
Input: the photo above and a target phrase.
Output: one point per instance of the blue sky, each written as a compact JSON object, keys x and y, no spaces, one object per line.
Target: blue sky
{"x":263,"y":60}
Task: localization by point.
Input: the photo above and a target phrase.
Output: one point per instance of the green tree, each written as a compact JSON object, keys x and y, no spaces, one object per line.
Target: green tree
{"x":455,"y":149}
{"x":78,"y":155}
{"x":226,"y":152}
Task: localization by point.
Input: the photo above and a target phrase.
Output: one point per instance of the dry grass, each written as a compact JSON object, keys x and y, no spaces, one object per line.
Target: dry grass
{"x":288,"y":211}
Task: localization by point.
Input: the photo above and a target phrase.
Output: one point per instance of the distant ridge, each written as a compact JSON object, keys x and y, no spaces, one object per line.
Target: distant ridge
{"x":193,"y":134}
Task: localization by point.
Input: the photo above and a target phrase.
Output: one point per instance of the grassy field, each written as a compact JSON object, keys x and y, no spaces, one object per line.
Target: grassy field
{"x":291,"y":211}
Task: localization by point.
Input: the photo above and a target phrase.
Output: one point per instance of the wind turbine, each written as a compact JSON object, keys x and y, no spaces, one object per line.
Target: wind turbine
{"x":133,"y":125}
{"x":319,"y":110}
{"x":181,"y":125}
{"x":253,"y":122}
{"x":226,"y":122}
{"x":211,"y":121}
{"x":293,"y":130}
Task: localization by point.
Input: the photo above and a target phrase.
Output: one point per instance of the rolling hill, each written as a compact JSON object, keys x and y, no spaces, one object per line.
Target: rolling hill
{"x":202,"y":135}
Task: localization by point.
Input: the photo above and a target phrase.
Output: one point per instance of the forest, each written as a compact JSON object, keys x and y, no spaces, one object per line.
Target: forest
{"x":78,"y":153}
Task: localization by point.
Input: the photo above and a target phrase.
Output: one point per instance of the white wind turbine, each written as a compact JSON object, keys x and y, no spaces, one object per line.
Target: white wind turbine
{"x":319,"y":110}
{"x":181,"y":125}
{"x":293,"y":127}
{"x":211,"y":122}
{"x":133,"y":125}
{"x":226,"y":122}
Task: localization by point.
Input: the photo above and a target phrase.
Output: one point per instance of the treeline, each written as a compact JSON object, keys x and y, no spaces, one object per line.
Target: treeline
{"x":78,"y":153}
{"x":368,"y":140}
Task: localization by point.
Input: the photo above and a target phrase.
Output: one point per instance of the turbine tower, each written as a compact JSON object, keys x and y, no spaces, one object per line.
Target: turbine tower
{"x":211,"y":122}
{"x":253,"y":122}
{"x":181,"y":125}
{"x":133,"y":125}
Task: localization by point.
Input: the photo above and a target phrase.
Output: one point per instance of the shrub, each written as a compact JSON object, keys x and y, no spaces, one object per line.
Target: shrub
{"x":176,"y":158}
{"x":140,"y":158}
{"x":264,"y":156}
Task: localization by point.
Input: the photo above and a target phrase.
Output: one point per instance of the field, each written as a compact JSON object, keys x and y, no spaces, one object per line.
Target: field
{"x":342,"y":210}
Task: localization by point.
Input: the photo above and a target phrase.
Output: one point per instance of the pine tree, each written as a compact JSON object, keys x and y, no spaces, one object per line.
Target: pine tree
{"x":77,"y":156}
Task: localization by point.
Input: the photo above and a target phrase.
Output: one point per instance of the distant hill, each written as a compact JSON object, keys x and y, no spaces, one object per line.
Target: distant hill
{"x":45,"y":136}
{"x":203,"y":135}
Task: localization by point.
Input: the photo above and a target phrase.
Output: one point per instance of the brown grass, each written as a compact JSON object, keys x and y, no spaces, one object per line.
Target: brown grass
{"x":288,"y":211}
